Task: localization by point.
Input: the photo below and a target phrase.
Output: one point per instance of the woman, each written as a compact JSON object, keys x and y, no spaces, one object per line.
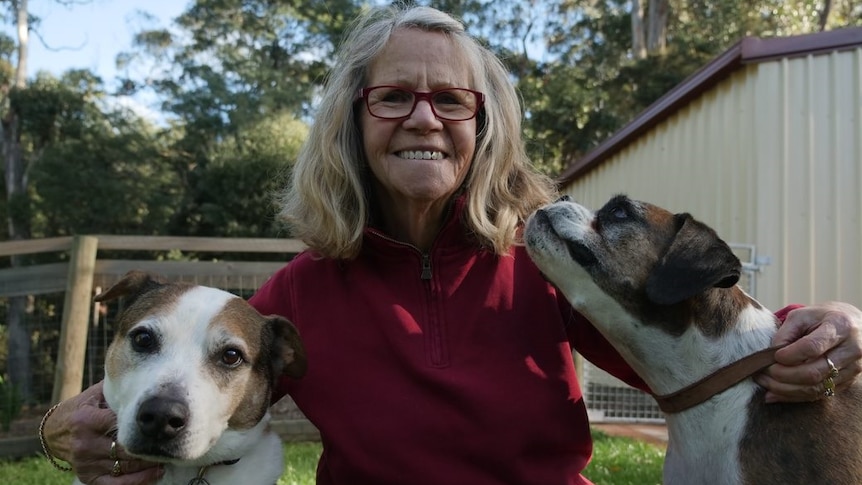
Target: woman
{"x":437,"y":352}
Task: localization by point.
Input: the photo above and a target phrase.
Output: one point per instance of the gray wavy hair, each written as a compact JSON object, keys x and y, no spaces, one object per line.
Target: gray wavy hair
{"x":326,"y":202}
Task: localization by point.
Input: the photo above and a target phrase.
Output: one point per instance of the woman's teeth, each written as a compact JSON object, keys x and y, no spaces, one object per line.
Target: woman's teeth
{"x":420,"y":155}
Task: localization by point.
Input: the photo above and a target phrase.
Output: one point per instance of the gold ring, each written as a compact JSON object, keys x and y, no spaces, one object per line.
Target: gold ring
{"x":829,"y":387}
{"x":113,"y":453}
{"x":115,"y":470}
{"x":833,"y":371}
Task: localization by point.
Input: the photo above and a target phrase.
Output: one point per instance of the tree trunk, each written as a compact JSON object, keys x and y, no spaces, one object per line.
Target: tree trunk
{"x":18,"y":360}
{"x":20,"y":374}
{"x":638,"y":36}
{"x":657,"y":28}
{"x":23,"y":22}
{"x":824,"y":14}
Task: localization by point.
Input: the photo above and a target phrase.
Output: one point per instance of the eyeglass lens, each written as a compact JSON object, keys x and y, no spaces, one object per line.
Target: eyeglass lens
{"x":449,"y":104}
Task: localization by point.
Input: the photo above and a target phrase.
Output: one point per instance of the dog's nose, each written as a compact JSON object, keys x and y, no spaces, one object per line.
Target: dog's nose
{"x":564,"y":198}
{"x":162,"y":418}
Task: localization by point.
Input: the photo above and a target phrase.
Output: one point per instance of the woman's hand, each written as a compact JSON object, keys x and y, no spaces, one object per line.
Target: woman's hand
{"x":81,"y":431}
{"x":810,"y":335}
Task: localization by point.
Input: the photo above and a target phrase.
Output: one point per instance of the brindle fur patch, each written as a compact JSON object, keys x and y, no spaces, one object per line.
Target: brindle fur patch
{"x":815,"y":443}
{"x":630,"y":248}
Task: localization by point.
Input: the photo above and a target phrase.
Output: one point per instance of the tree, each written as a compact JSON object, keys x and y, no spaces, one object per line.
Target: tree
{"x":233,"y":197}
{"x":225,"y":71}
{"x":15,"y":173}
{"x":229,"y":62}
{"x":651,"y":39}
{"x":639,"y":48}
{"x":102,"y":170}
{"x":37,"y":121}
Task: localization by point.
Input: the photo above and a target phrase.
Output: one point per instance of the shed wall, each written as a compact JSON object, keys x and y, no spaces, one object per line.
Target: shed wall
{"x":771,"y":156}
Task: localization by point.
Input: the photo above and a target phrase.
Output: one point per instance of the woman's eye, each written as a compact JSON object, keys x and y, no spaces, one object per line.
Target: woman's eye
{"x":231,"y":358}
{"x":446,"y":98}
{"x":143,"y":340}
{"x":397,"y":96}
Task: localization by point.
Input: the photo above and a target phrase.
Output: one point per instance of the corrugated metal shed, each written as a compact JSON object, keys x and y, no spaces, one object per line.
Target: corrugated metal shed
{"x":765,"y":145}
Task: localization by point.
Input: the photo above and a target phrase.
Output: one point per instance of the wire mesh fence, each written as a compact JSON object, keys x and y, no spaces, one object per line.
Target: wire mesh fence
{"x":32,"y":301}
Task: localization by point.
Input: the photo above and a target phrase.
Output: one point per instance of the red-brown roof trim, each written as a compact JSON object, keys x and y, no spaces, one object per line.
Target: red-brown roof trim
{"x":748,"y":50}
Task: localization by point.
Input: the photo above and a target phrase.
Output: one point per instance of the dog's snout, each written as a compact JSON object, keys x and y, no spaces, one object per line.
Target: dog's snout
{"x":162,"y":418}
{"x":564,"y":198}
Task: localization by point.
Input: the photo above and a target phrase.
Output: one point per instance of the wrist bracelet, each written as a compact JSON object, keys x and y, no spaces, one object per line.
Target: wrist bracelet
{"x":48,"y":454}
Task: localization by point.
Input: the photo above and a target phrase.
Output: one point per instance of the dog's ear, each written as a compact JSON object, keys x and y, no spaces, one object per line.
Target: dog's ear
{"x":288,"y":356}
{"x":132,"y":285}
{"x":697,"y":259}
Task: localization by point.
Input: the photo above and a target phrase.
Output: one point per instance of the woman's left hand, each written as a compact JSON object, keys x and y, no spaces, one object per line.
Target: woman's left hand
{"x":810,"y":335}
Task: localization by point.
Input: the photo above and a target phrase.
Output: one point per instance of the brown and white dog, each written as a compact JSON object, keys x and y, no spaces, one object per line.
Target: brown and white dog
{"x":662,"y":289}
{"x":190,"y":374}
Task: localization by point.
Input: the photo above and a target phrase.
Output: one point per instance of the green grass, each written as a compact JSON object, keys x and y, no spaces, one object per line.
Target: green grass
{"x":300,"y":467}
{"x":624,"y":461}
{"x":300,"y":463}
{"x":617,"y":461}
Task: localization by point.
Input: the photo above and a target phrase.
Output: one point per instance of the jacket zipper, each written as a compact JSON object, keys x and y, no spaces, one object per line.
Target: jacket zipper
{"x":425,"y":269}
{"x":426,"y":266}
{"x":437,"y":353}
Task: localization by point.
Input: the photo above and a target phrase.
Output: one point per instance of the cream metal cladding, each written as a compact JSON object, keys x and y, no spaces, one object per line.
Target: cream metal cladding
{"x":770,"y":154}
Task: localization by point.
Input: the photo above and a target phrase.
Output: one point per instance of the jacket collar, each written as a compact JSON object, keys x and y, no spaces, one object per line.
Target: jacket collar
{"x":453,"y":233}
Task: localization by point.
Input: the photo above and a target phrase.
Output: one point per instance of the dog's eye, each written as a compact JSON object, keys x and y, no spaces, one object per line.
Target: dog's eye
{"x":143,"y":340}
{"x":619,"y":212}
{"x":232,"y":358}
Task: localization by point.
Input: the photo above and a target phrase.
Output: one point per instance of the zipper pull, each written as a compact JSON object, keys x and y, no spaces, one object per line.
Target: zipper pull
{"x":426,"y":267}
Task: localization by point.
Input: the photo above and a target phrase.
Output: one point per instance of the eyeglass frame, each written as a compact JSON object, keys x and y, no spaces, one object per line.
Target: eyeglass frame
{"x":419,"y":96}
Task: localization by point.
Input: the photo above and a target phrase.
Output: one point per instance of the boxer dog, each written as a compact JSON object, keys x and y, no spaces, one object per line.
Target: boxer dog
{"x":661,"y":287}
{"x":190,"y":374}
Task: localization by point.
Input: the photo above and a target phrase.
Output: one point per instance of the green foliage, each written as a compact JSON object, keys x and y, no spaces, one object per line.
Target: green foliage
{"x":50,"y":110}
{"x":10,"y":403}
{"x":234,"y":61}
{"x":7,"y":49}
{"x":237,"y":80}
{"x":232,"y":196}
{"x":98,"y":170}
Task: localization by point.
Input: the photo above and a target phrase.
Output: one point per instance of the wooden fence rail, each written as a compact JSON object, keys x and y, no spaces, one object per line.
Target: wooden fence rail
{"x":76,"y":279}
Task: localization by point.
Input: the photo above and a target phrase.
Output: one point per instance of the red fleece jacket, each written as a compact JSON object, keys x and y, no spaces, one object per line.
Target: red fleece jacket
{"x":452,"y":367}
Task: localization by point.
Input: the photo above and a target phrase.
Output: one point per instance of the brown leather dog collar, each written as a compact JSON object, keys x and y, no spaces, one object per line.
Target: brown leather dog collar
{"x":720,"y":380}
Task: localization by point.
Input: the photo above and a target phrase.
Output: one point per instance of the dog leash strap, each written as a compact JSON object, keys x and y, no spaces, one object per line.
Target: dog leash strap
{"x":718,"y":381}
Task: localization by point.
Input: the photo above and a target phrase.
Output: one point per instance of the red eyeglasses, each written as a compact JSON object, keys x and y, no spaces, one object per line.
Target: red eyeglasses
{"x":396,"y":102}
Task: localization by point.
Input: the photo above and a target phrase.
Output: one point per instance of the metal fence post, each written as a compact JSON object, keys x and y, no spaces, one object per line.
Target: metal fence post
{"x":68,"y":375}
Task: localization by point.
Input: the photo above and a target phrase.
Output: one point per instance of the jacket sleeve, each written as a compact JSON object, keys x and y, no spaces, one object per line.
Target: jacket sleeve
{"x":593,"y":346}
{"x":782,"y":314}
{"x":275,"y":298}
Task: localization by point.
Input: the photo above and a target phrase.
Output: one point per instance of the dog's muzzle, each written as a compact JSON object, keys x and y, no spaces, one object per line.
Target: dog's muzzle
{"x":162,"y":418}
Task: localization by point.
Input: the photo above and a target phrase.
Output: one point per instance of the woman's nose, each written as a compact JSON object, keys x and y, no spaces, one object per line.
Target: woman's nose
{"x":423,"y":113}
